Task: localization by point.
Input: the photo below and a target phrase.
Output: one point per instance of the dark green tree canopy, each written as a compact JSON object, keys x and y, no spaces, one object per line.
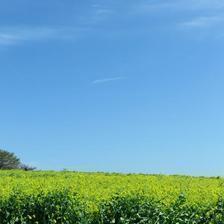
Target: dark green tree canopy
{"x":9,"y":160}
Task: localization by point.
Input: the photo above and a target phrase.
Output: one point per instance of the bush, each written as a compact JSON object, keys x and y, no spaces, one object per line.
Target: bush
{"x":64,"y":207}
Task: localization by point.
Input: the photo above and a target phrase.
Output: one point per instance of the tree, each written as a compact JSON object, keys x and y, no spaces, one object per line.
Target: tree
{"x":27,"y":167}
{"x":9,"y":160}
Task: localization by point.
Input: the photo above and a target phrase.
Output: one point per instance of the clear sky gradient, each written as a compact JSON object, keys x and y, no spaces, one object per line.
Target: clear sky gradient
{"x":114,"y":85}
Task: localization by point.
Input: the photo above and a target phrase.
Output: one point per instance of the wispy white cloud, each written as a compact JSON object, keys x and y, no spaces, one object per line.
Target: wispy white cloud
{"x":6,"y":38}
{"x":181,"y":5}
{"x":199,"y":16}
{"x":100,"y":81}
{"x":99,"y":13}
{"x":13,"y":35}
{"x":17,"y":35}
{"x":205,"y":4}
{"x":203,"y":22}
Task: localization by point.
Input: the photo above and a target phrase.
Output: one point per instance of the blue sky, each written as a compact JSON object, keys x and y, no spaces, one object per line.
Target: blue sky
{"x":108,"y":85}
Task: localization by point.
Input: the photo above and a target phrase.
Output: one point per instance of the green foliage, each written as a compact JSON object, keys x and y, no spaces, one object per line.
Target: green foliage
{"x":141,"y":210}
{"x":8,"y":160}
{"x":96,"y":198}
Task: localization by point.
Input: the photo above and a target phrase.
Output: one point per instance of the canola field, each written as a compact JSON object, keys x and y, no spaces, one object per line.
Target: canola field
{"x":45,"y":197}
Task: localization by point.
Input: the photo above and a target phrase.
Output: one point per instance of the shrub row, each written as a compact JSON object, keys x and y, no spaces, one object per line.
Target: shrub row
{"x":65,"y":207}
